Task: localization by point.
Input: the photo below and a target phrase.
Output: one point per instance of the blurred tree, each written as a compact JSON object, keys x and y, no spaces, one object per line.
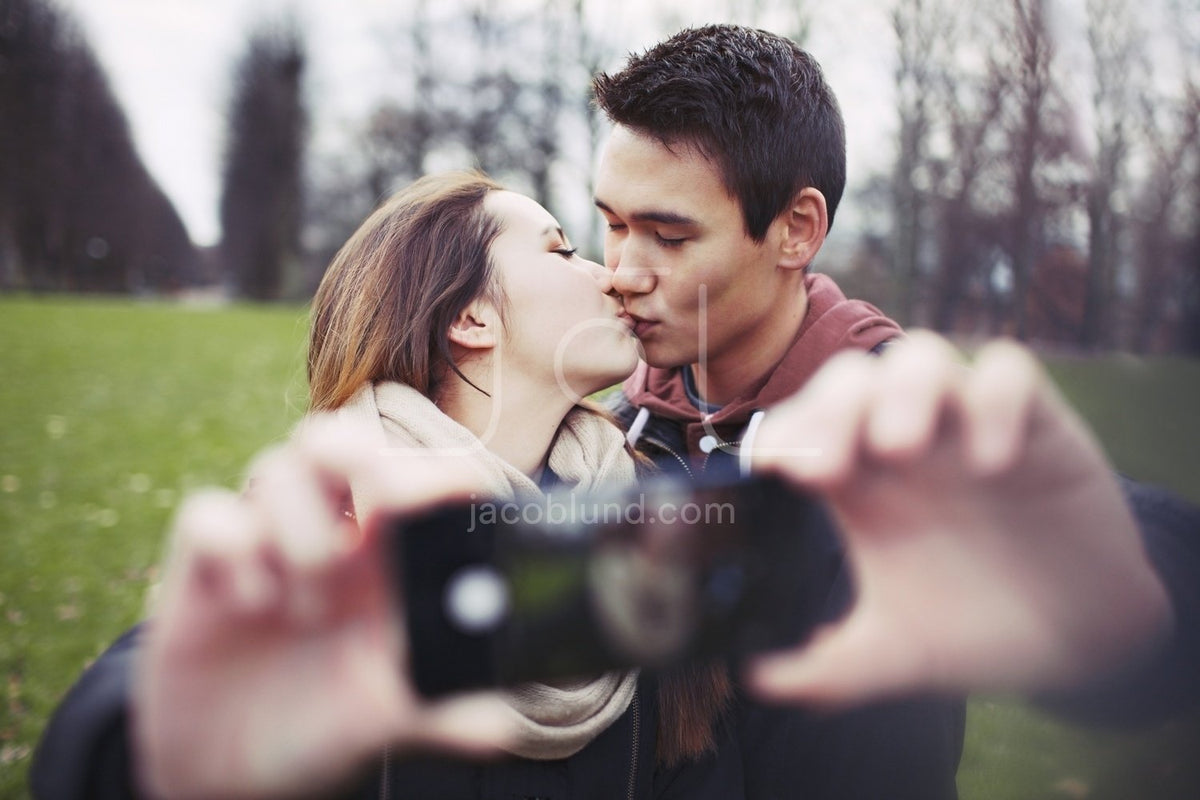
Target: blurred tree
{"x":1189,"y":34}
{"x":1005,"y":170}
{"x":1165,"y":211}
{"x":949,"y":94}
{"x":547,"y":106}
{"x":262,"y":185}
{"x":986,"y":175}
{"x":1114,"y":40}
{"x":335,"y":205}
{"x":968,"y":98}
{"x":1029,"y":66}
{"x":592,"y":54}
{"x":1167,"y":131}
{"x":918,"y":33}
{"x":494,"y":89}
{"x":1056,"y":304}
{"x":499,"y":109}
{"x":1189,"y":335}
{"x":399,"y":135}
{"x":78,"y":210}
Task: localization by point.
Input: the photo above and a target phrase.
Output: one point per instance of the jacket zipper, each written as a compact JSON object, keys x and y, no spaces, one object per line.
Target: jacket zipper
{"x":665,"y":448}
{"x":683,"y":461}
{"x":716,"y":447}
{"x":633,"y":756}
{"x":385,"y":782}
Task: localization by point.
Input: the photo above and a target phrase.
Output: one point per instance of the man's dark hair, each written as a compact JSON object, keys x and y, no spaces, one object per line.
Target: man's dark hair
{"x":751,"y":101}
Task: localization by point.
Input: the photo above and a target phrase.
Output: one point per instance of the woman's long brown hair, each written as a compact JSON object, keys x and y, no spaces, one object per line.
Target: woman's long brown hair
{"x":383,"y":311}
{"x":693,"y":700}
{"x":384,"y":308}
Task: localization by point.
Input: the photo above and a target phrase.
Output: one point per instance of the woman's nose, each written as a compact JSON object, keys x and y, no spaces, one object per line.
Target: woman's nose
{"x":602,"y":276}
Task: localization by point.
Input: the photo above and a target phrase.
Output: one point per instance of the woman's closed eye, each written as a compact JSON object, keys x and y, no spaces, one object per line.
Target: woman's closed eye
{"x":566,"y":252}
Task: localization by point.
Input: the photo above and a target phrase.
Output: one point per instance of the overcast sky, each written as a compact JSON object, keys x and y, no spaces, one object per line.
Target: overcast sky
{"x":169,"y":62}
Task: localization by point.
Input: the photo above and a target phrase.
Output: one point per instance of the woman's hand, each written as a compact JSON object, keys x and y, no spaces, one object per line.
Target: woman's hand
{"x":275,"y":659}
{"x":990,"y":545}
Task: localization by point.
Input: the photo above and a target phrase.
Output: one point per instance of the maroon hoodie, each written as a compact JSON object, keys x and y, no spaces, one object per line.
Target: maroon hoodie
{"x":832,"y":323}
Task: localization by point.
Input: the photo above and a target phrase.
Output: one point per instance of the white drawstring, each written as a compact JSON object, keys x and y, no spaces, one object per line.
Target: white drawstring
{"x":639,"y":423}
{"x":747,"y":445}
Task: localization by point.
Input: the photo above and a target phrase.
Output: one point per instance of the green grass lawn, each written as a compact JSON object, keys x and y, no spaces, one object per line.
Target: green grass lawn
{"x":111,"y":410}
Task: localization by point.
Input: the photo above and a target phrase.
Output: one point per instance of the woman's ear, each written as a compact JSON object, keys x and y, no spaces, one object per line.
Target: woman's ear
{"x":805,"y":223}
{"x":477,"y":327}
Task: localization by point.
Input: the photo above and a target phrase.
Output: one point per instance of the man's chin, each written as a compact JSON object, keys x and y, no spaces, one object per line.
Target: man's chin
{"x":659,"y":353}
{"x":665,"y":360}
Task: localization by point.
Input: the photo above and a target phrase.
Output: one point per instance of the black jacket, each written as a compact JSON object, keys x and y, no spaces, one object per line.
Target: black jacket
{"x":899,"y":749}
{"x":902,"y":749}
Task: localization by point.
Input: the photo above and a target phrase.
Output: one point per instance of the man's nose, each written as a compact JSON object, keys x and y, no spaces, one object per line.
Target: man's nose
{"x":631,"y":272}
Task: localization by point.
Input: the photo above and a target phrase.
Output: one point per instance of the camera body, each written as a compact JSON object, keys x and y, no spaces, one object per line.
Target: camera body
{"x":497,"y":593}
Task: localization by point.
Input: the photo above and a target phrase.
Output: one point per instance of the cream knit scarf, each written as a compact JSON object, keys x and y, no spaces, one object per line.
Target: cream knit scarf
{"x":553,"y":721}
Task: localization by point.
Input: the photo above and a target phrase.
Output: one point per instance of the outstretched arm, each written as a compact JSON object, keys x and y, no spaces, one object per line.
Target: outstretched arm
{"x":273,"y":661}
{"x":990,"y":543}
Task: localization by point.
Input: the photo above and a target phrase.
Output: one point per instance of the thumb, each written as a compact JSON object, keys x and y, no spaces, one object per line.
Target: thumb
{"x":843,"y":665}
{"x":479,"y":723}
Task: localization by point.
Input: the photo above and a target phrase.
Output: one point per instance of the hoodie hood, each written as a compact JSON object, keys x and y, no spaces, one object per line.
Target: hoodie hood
{"x":831,"y":323}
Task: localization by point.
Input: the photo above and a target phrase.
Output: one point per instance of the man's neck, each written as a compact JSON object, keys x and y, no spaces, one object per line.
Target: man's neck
{"x":517,"y":422}
{"x":724,"y":377}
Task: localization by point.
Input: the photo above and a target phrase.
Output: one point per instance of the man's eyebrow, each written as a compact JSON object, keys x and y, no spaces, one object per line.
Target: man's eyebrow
{"x":652,"y":215}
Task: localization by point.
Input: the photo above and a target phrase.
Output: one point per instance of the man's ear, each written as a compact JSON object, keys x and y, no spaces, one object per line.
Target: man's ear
{"x":477,"y":327}
{"x":805,"y":223}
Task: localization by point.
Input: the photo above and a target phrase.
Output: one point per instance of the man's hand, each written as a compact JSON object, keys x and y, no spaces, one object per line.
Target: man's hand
{"x":275,"y":657}
{"x":990,"y":545}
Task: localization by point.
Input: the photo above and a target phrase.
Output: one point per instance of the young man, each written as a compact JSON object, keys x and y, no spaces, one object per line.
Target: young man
{"x":718,"y":183}
{"x":990,"y":544}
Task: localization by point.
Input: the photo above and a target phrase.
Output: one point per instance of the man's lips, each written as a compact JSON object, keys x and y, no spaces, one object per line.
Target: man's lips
{"x":637,"y":324}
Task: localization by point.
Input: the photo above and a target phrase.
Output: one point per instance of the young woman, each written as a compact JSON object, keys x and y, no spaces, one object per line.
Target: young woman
{"x":453,"y":339}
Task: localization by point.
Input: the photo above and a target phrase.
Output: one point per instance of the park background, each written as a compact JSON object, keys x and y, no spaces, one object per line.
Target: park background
{"x":1018,"y":168}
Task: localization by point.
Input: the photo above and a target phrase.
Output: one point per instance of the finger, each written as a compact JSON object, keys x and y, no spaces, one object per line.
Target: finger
{"x":396,"y":480}
{"x":918,"y":379}
{"x":998,"y":402}
{"x":297,"y":508}
{"x":814,"y":437}
{"x":214,"y":552}
{"x":303,"y":530}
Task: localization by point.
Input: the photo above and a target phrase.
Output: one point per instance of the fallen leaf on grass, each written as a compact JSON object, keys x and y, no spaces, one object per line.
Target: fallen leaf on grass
{"x":1073,"y":788}
{"x":15,"y":707}
{"x":56,"y":427}
{"x":11,"y":753}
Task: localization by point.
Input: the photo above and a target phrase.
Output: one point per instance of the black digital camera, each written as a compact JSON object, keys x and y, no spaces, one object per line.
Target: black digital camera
{"x":497,"y":593}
